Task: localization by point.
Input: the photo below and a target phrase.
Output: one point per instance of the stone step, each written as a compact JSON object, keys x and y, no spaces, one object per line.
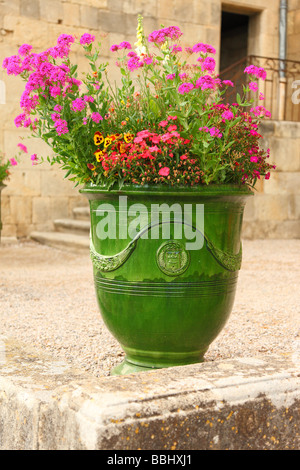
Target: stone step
{"x":62,"y":240}
{"x":81,"y":213}
{"x":80,"y":227}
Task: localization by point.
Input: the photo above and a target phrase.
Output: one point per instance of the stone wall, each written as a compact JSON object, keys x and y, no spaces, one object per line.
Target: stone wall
{"x":293,"y":30}
{"x":36,"y":195}
{"x":274,"y":211}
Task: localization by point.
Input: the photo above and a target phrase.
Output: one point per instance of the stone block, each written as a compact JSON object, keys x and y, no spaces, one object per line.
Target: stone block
{"x":273,"y":207}
{"x":284,"y":153}
{"x":6,"y":216}
{"x":145,"y":8}
{"x":21,"y":209}
{"x":71,"y":14}
{"x":10,"y":7}
{"x":91,"y":3}
{"x":41,"y":210}
{"x":112,"y":22}
{"x":287,"y":129}
{"x":288,"y":229}
{"x":23,"y":182}
{"x":238,"y":404}
{"x":34,"y":32}
{"x":249,"y":211}
{"x":59,"y":207}
{"x":30,"y":8}
{"x":8,"y":230}
{"x":283,"y":183}
{"x":89,"y":17}
{"x":53,"y":184}
{"x":186,"y":10}
{"x":52,"y":12}
{"x":166,"y":9}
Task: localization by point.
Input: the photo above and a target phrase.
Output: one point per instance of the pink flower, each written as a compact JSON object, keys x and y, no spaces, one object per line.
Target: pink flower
{"x":134,"y":63}
{"x":24,"y":49}
{"x":23,"y":148}
{"x":205,"y":82}
{"x":13,"y":161}
{"x":228,"y":83}
{"x":208,"y":64}
{"x":172,"y":32}
{"x":253,"y":159}
{"x":185,"y":88}
{"x":122,"y":45}
{"x":257,"y":72}
{"x":204,"y":48}
{"x":61,"y":126}
{"x":96,"y":117}
{"x":164,"y":171}
{"x":171,"y":76}
{"x":163,"y":123}
{"x":214,"y":132}
{"x":88,"y":98}
{"x":55,"y":91}
{"x":253,"y":86}
{"x":267,"y":175}
{"x":261,"y":96}
{"x":78,"y":105}
{"x":228,"y":115}
{"x":19,"y":120}
{"x":86,"y":38}
{"x":34,"y":159}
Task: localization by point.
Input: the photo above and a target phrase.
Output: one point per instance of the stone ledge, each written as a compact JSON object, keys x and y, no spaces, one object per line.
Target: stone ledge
{"x":250,"y":403}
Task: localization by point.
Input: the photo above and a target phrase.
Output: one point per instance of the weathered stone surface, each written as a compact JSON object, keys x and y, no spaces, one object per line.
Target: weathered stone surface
{"x":237,"y":404}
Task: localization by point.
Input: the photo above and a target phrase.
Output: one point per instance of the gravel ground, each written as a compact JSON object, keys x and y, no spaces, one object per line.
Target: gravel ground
{"x":47,"y":301}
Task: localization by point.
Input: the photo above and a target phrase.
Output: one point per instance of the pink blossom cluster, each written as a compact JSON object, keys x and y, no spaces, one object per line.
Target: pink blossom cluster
{"x":44,"y":78}
{"x":208,"y":64}
{"x":86,"y":38}
{"x":207,"y":82}
{"x":185,"y":88}
{"x":122,"y":45}
{"x":258,"y":72}
{"x":160,"y":36}
{"x":204,"y":48}
{"x":78,"y":105}
{"x":213,"y":131}
{"x":259,"y":111}
{"x":227,"y":115}
{"x":135,"y":62}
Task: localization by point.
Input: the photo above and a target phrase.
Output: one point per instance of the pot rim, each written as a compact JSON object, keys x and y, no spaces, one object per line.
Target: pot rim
{"x":203,"y":190}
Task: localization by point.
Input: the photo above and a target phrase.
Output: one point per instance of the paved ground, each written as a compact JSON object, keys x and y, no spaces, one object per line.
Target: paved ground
{"x":47,"y":301}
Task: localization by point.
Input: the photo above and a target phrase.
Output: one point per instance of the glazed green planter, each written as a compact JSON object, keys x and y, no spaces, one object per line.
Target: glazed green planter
{"x":2,"y":186}
{"x":166,"y":266}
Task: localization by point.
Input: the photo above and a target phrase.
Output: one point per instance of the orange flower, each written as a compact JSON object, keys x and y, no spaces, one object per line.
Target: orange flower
{"x":121,"y":147}
{"x":98,"y":138}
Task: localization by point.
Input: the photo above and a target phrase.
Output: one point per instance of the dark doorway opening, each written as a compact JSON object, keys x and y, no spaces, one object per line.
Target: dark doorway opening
{"x":234,"y":39}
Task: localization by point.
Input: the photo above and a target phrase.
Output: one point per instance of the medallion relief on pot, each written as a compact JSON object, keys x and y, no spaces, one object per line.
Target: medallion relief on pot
{"x":172,"y":258}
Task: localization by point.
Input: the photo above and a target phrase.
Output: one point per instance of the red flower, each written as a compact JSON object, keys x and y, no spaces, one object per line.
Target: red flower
{"x":164,"y":171}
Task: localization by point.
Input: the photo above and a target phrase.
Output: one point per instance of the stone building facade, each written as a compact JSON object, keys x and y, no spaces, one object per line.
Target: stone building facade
{"x":37,"y":195}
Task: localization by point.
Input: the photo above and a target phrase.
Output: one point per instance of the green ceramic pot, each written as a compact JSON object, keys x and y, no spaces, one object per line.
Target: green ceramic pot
{"x":2,"y":186}
{"x":166,"y":265}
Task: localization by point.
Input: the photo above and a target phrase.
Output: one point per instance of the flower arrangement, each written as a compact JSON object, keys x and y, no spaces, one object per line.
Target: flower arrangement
{"x":166,"y":121}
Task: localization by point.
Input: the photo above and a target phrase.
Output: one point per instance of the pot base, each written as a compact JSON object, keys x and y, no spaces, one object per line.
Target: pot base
{"x":129,"y":368}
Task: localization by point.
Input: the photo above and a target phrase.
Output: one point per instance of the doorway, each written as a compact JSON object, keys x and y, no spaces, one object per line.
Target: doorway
{"x":234,"y":39}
